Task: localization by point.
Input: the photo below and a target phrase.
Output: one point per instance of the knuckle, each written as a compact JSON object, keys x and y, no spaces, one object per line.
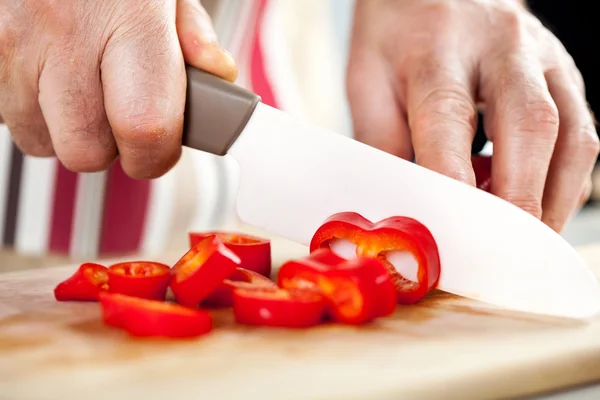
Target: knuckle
{"x":511,"y":19}
{"x":555,"y":222}
{"x":149,"y":145}
{"x":588,"y":144}
{"x":441,"y":12}
{"x":142,"y":24}
{"x":58,"y":17}
{"x":93,"y":159}
{"x":586,"y":193}
{"x":32,"y":138}
{"x":538,"y":117}
{"x":446,"y":107}
{"x":582,"y":138}
{"x":86,"y":146}
{"x":144,"y":131}
{"x":34,"y":148}
{"x":451,"y":163}
{"x":527,"y":202}
{"x":139,"y":165}
{"x":512,"y":31}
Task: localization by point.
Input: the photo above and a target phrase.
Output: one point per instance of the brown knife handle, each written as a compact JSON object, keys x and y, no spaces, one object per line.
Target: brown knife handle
{"x":216,"y":112}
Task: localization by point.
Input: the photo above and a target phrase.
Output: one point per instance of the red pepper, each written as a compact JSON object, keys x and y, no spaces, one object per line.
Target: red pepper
{"x":376,"y":240}
{"x":278,"y":307}
{"x":201,"y":270}
{"x":144,"y":279}
{"x":241,"y":278}
{"x":84,"y":285}
{"x":482,"y":166}
{"x":113,"y":309}
{"x":357,"y":290}
{"x":254,"y":252}
{"x":152,"y":318}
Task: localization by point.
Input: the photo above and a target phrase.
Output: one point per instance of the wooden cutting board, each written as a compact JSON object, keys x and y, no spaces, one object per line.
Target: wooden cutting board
{"x":446,"y":347}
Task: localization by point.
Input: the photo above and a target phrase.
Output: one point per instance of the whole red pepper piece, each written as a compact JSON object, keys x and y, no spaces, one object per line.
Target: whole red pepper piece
{"x":144,"y":279}
{"x":357,"y":290}
{"x":152,"y":318}
{"x":376,"y":240}
{"x":254,"y":252}
{"x":482,"y":166}
{"x":84,"y":285}
{"x":222,"y":296}
{"x":201,"y":270}
{"x":278,"y":308}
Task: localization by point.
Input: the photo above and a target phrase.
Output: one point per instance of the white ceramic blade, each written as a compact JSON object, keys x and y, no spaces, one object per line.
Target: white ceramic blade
{"x":294,"y":175}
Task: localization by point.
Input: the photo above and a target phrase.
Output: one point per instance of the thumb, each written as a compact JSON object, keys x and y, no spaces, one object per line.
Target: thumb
{"x":198,"y":41}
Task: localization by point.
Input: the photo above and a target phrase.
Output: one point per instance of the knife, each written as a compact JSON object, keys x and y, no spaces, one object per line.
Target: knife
{"x":294,"y":175}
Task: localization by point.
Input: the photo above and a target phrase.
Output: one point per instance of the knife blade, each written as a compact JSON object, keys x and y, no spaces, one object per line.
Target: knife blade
{"x":294,"y":175}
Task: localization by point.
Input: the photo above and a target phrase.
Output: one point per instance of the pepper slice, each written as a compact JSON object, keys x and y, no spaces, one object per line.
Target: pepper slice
{"x":357,"y":290}
{"x":113,"y":309}
{"x":482,"y":166}
{"x":84,"y":285}
{"x":144,"y":279}
{"x":278,"y":308}
{"x":152,"y":318}
{"x":253,"y":251}
{"x":379,"y":240}
{"x":201,"y":270}
{"x":222,"y":296}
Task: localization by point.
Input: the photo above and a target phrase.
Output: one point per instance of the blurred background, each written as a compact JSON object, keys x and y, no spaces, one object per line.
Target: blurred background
{"x":49,"y":215}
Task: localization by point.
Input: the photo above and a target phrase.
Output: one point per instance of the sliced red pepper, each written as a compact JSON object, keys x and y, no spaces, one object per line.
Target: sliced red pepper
{"x":152,"y":318}
{"x":113,"y":309}
{"x":357,"y":290}
{"x":144,"y":279}
{"x":84,"y":285}
{"x":482,"y":166}
{"x":278,"y":308}
{"x":377,"y":240}
{"x":241,"y":278}
{"x":201,"y":270}
{"x":253,"y":251}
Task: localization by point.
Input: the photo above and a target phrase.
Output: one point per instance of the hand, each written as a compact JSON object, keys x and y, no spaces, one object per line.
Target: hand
{"x":420,"y":69}
{"x":87,"y":80}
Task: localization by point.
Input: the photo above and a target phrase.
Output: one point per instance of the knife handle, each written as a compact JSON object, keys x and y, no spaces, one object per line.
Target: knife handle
{"x":216,"y":112}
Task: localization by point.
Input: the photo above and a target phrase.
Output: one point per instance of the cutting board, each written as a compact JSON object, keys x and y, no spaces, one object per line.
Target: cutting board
{"x":445,"y":347}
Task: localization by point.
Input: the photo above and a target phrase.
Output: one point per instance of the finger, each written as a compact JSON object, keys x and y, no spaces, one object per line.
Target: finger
{"x":23,"y":116}
{"x":377,"y":117}
{"x":523,"y":124}
{"x":575,"y":153}
{"x":443,"y":116}
{"x":144,"y":83}
{"x":199,"y":42}
{"x":586,"y":193}
{"x":71,"y":100}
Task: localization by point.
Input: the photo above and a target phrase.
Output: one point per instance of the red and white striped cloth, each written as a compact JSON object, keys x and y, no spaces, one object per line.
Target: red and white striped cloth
{"x":44,"y":208}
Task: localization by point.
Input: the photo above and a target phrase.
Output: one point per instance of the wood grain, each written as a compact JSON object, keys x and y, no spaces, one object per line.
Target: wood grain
{"x":446,"y":347}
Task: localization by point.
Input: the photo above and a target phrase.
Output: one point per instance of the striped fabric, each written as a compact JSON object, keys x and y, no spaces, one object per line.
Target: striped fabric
{"x":44,"y":208}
